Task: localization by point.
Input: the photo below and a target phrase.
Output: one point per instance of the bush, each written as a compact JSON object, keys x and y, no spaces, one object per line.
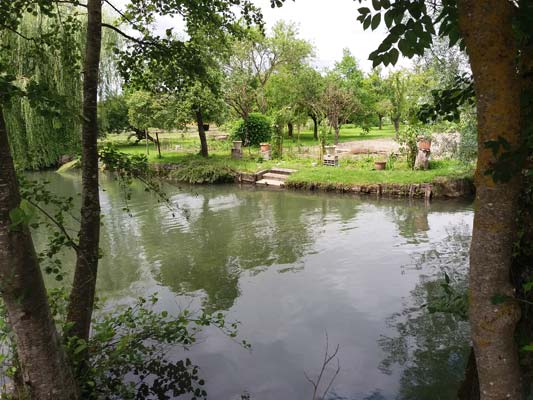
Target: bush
{"x":204,"y":173}
{"x":257,"y":128}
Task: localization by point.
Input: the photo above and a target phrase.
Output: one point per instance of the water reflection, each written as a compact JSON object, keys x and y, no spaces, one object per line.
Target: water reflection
{"x":289,"y":266}
{"x":431,"y":349}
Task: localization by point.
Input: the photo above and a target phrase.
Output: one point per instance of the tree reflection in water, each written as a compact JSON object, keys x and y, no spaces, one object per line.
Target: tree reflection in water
{"x":431,"y":348}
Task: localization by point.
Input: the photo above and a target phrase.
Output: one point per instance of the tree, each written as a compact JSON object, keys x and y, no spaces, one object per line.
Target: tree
{"x":500,"y":64}
{"x":113,"y":114}
{"x":45,"y":367}
{"x":378,"y":92}
{"x":199,"y":103}
{"x":255,"y":59}
{"x":398,"y":82}
{"x":338,"y":103}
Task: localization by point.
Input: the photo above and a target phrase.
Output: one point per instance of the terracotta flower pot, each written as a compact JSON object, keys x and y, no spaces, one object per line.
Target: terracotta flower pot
{"x":424,"y":144}
{"x":380,"y":165}
{"x":265,"y":147}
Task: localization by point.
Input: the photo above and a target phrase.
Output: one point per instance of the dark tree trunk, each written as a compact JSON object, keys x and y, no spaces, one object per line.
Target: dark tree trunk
{"x":45,"y":369}
{"x":81,"y":304}
{"x":158,"y":143}
{"x":291,"y":129}
{"x":487,"y":29}
{"x":315,"y":127}
{"x":204,"y":151}
{"x":380,"y":121}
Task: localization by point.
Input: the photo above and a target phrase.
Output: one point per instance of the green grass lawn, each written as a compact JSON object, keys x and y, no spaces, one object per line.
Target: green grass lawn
{"x":189,"y":142}
{"x":361,"y":175}
{"x":348,"y":133}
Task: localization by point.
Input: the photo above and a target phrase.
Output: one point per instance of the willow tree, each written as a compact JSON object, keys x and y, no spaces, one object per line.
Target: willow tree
{"x":37,"y":141}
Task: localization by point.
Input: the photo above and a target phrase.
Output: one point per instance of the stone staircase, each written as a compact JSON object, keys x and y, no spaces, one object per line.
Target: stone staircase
{"x":275,"y":177}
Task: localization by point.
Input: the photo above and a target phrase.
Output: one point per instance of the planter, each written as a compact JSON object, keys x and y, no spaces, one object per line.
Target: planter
{"x":424,"y":144}
{"x":380,"y":165}
{"x":237,"y":144}
{"x":330,"y":150}
{"x":206,"y":127}
{"x":265,"y":147}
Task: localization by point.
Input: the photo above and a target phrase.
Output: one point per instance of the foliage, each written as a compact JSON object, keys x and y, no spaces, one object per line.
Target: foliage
{"x":467,"y":151}
{"x":203,"y":173}
{"x":149,"y":110}
{"x":255,"y":129}
{"x":408,"y":140}
{"x":36,"y":140}
{"x":128,"y":350}
{"x":253,"y":62}
{"x":113,"y":114}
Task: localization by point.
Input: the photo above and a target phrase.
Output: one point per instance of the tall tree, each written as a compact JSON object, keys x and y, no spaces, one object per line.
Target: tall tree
{"x":45,"y":369}
{"x":488,"y":30}
{"x":82,"y":295}
{"x":498,"y":106}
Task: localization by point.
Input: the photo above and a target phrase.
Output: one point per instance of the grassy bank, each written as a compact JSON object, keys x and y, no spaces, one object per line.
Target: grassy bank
{"x":356,"y":174}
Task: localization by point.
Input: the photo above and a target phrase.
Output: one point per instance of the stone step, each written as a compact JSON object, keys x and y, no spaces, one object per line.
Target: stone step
{"x":275,"y":177}
{"x":270,"y":182}
{"x":282,"y":171}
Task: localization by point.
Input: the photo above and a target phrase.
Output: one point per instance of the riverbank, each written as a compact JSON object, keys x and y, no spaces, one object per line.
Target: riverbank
{"x":445,"y":178}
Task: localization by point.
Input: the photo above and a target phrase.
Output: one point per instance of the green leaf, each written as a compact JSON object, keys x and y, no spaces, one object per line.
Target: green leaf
{"x":393,"y":56}
{"x":376,"y":4}
{"x":367,"y":22}
{"x":364,"y":10}
{"x":376,"y":20}
{"x":527,"y":286}
{"x":389,"y":17}
{"x":527,"y":347}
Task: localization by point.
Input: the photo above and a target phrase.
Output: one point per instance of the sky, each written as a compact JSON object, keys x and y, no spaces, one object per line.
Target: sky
{"x":330,"y":25}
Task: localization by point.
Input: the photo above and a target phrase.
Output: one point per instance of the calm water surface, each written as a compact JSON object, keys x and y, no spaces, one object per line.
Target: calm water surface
{"x":290,"y":267}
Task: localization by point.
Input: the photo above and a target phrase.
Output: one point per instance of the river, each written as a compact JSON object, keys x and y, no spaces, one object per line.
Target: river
{"x":293,"y":267}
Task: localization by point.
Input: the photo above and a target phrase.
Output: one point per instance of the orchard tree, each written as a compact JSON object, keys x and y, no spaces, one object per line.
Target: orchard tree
{"x":337,"y":103}
{"x":378,"y":91}
{"x":255,"y":59}
{"x":200,"y":104}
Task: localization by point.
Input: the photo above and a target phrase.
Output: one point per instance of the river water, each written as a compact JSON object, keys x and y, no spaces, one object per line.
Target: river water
{"x":293,"y":268}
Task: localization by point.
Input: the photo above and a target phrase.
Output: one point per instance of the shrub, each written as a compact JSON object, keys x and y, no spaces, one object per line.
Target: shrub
{"x":204,"y":173}
{"x":254,"y":130}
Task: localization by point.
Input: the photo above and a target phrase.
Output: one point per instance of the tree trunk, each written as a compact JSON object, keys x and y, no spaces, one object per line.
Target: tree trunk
{"x":380,"y":121}
{"x":523,"y":260}
{"x":201,"y":132}
{"x":487,"y":31}
{"x":45,"y":369}
{"x":337,"y":129}
{"x":158,"y":143}
{"x":396,"y":122}
{"x":315,"y":127}
{"x":81,"y":304}
{"x":291,"y":129}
